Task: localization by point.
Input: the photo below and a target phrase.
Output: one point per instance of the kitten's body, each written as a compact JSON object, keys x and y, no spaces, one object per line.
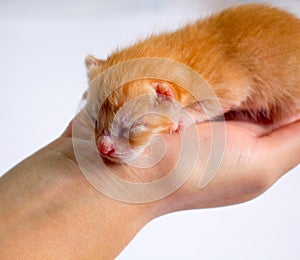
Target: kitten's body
{"x":249,"y":55}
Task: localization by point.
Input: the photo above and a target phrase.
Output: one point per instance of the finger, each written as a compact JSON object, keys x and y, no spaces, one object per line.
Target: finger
{"x":68,"y":130}
{"x":78,"y":120}
{"x":249,"y":128}
{"x":283,"y":145}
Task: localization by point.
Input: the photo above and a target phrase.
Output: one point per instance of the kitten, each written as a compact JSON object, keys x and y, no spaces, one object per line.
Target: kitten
{"x":248,"y":54}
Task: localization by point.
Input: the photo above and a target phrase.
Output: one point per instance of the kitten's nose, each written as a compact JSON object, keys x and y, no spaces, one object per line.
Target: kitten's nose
{"x":105,"y":145}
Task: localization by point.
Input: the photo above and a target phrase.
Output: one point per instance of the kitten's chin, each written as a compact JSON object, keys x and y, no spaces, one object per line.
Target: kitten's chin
{"x":127,"y":156}
{"x":109,"y":159}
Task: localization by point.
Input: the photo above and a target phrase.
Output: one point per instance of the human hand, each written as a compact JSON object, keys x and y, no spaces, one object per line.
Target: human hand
{"x":255,"y":157}
{"x":253,"y":161}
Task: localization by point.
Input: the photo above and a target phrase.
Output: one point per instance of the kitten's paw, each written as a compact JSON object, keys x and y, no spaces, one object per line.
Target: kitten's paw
{"x":177,"y":128}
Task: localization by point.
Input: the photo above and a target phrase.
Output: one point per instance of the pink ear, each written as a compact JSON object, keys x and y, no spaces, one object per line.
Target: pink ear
{"x":90,"y":60}
{"x":164,"y":89}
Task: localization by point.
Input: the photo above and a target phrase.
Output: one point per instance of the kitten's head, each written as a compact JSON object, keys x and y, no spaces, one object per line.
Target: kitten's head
{"x":130,"y":116}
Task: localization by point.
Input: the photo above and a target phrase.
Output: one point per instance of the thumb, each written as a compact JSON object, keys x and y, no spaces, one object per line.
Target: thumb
{"x":283,"y":147}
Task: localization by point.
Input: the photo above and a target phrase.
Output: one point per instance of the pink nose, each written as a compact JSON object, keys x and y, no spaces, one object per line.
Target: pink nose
{"x":105,"y":145}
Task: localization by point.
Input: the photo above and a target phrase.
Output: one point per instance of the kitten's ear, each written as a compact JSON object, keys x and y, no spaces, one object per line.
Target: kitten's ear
{"x":164,"y":89}
{"x":92,"y":61}
{"x":94,"y":66}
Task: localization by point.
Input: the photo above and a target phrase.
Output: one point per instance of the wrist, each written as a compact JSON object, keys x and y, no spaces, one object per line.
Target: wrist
{"x":47,"y":203}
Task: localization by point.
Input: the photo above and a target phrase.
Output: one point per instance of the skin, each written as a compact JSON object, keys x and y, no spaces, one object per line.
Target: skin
{"x":49,"y":210}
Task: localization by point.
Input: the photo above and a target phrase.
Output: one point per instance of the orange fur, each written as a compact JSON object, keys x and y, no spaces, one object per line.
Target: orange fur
{"x":248,"y":54}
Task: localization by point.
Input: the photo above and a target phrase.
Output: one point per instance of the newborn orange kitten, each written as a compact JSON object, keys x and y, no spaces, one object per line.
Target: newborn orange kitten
{"x":248,"y":54}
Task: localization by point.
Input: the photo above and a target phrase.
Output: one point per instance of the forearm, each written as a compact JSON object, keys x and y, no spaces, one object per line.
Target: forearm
{"x":49,"y":209}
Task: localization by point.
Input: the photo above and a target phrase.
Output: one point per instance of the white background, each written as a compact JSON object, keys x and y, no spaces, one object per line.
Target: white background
{"x":42,"y":78}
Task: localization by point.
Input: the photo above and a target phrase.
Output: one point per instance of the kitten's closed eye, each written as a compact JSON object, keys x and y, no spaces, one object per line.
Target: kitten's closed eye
{"x":138,"y":127}
{"x":126,"y":131}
